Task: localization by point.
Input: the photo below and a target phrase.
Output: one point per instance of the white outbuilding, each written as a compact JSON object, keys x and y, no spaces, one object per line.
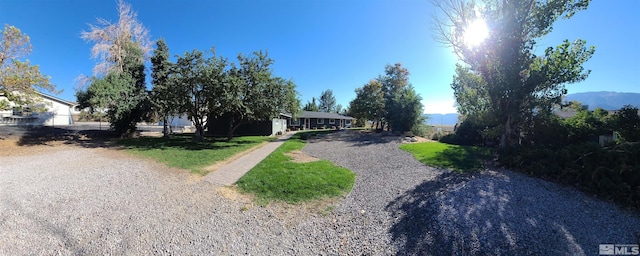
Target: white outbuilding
{"x":48,"y":110}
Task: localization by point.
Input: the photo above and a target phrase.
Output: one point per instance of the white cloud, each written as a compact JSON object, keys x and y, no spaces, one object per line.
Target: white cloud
{"x":439,"y":107}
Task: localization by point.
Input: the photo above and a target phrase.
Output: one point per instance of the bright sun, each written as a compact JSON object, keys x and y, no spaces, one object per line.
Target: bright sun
{"x":475,"y":33}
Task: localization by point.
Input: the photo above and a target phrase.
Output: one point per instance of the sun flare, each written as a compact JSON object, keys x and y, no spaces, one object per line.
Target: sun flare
{"x":475,"y":33}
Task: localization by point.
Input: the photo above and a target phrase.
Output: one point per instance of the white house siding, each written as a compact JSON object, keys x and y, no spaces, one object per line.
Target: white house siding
{"x":278,"y":125}
{"x":58,"y":112}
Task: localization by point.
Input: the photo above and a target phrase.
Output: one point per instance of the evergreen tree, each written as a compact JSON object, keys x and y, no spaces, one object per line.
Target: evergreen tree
{"x":327,"y":101}
{"x":163,"y":94}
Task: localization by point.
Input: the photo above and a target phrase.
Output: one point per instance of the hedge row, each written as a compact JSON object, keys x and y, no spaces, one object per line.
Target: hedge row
{"x":610,"y":172}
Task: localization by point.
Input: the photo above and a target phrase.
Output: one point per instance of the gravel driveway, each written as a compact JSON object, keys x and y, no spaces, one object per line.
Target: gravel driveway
{"x":96,"y":201}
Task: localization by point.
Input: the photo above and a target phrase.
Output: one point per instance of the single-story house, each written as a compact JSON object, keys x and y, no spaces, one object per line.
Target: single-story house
{"x":48,"y":110}
{"x":220,"y":126}
{"x":320,"y":120}
{"x":179,"y":122}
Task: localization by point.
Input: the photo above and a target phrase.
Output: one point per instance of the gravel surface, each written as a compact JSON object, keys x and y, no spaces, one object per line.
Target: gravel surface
{"x":88,"y":201}
{"x":399,"y":206}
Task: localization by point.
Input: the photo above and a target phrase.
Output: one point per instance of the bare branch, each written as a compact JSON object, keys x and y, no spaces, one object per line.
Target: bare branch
{"x":111,"y":39}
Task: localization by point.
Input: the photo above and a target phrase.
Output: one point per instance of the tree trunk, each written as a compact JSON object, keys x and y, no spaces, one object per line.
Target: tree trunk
{"x":231,"y":129}
{"x":165,"y":127}
{"x":199,"y":132}
{"x":505,"y":139}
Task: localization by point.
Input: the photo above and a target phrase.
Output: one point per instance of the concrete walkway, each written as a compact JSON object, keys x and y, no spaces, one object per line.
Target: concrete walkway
{"x":230,"y":173}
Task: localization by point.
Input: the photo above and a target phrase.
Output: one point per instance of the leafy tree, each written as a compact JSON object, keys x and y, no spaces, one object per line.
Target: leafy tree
{"x":519,"y":83}
{"x":19,"y":80}
{"x":395,"y":79}
{"x":199,"y":82}
{"x":627,"y":123}
{"x":311,"y":105}
{"x":338,"y":109}
{"x":252,"y":93}
{"x":164,"y":94}
{"x":327,"y":101}
{"x":389,"y":99}
{"x":470,"y":92}
{"x":403,"y":106}
{"x":586,"y":124}
{"x":407,"y":109}
{"x":119,"y":81}
{"x":123,"y":94}
{"x":369,"y":103}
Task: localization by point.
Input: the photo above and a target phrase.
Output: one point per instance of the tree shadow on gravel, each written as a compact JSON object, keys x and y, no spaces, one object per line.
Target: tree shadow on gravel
{"x":357,"y":138}
{"x":43,"y":226}
{"x":33,"y":136}
{"x":490,"y":214}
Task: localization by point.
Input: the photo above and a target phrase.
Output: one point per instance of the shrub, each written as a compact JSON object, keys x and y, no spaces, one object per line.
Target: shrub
{"x":627,"y":123}
{"x":611,"y":172}
{"x":306,"y":135}
{"x":452,"y":138}
{"x":437,"y":136}
{"x":421,"y":130}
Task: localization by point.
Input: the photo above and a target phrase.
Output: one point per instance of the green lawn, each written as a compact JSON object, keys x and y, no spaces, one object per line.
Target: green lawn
{"x":454,"y":157}
{"x":277,"y":178}
{"x":180,"y":151}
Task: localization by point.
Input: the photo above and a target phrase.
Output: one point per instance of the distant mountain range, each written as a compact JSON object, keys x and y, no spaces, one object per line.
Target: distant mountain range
{"x":442,"y":119}
{"x":605,"y":100}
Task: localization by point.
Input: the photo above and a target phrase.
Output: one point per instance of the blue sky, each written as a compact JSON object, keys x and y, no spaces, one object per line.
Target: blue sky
{"x":320,"y":44}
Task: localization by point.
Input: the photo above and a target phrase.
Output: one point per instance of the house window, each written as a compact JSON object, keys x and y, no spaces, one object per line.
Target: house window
{"x":347,"y":121}
{"x":296,"y":121}
{"x":22,"y":111}
{"x":320,"y":121}
{"x":332,"y":121}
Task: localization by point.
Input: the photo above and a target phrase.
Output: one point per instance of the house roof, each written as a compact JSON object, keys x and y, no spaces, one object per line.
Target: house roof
{"x":52,"y":98}
{"x":47,"y":96}
{"x":322,"y":115}
{"x":285,"y":115}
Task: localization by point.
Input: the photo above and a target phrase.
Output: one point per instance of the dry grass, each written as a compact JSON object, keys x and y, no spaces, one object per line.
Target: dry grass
{"x":12,"y":147}
{"x":300,"y":157}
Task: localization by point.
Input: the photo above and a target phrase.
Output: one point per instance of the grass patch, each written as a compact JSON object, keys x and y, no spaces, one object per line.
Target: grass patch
{"x":454,"y":157}
{"x":276,"y":178}
{"x":180,"y":151}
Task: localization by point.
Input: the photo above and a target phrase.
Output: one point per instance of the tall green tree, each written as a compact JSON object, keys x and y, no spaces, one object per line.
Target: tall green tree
{"x":390,"y":99}
{"x":471,"y":92}
{"x":394,"y":80}
{"x":327,"y":102}
{"x":19,"y":80}
{"x":200,"y":83}
{"x":408,"y":110}
{"x":118,"y":84}
{"x":311,"y":105}
{"x":252,"y":93}
{"x":369,"y":103}
{"x":519,"y":83}
{"x":122,"y":94}
{"x":338,"y":109}
{"x":164,"y":93}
